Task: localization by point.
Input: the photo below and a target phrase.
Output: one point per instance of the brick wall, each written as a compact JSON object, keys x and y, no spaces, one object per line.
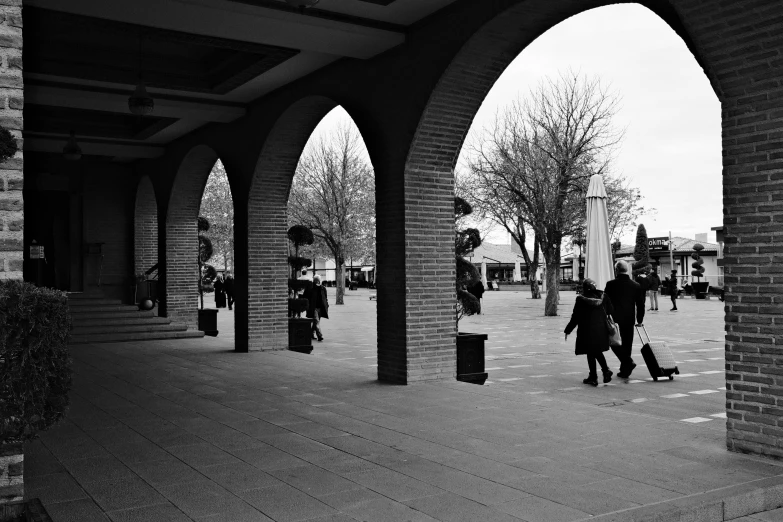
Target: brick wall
{"x":742,"y":45}
{"x":180,"y":279}
{"x":11,"y":105}
{"x":145,"y":227}
{"x":267,"y":266}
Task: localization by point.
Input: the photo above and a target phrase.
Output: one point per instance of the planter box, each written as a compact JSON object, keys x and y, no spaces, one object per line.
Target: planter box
{"x":470,"y":358}
{"x":11,"y":473}
{"x":29,"y":511}
{"x":300,"y":337}
{"x":700,"y":290}
{"x":207,"y":321}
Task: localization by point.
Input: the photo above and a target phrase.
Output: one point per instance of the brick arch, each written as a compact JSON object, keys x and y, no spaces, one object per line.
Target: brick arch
{"x":429,"y":176}
{"x":181,"y":272}
{"x":267,"y":271}
{"x":145,"y":227}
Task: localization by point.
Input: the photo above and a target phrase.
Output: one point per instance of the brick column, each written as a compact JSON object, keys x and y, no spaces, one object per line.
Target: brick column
{"x":266,"y":317}
{"x":180,"y":278}
{"x":11,"y":173}
{"x":145,"y":227}
{"x":743,"y":48}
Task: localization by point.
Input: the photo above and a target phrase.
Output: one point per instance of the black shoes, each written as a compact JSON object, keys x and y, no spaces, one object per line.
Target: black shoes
{"x":320,"y":339}
{"x":608,"y":376}
{"x":624,"y":374}
{"x":673,"y":310}
{"x":592,"y":380}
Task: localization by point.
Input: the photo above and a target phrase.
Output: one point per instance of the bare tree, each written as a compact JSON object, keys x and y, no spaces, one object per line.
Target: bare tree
{"x":218,"y":207}
{"x":538,"y":159}
{"x":333,"y":195}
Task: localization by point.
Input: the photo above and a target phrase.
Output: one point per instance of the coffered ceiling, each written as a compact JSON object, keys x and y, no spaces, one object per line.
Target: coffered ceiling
{"x":202,"y":60}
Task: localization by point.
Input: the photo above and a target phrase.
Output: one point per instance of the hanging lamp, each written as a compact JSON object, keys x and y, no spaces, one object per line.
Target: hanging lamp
{"x":140,"y":102}
{"x":72,"y":151}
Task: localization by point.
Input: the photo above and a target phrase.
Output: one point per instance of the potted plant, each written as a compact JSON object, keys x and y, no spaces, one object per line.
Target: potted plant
{"x":470,"y":346}
{"x":35,"y":379}
{"x":207,"y":318}
{"x":299,"y":328}
{"x":641,"y":254}
{"x":699,"y":289}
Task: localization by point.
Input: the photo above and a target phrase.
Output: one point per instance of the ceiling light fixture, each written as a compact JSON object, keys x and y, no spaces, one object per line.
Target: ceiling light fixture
{"x":302,"y":4}
{"x":72,"y":151}
{"x":140,"y":102}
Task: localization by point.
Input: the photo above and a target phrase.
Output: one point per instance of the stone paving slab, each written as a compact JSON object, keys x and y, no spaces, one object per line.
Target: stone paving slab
{"x":189,"y":430}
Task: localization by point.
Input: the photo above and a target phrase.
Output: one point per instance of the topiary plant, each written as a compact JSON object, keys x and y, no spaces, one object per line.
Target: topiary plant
{"x":207,"y":273}
{"x":299,"y":235}
{"x":698,"y":269}
{"x":465,"y":242}
{"x":641,"y":252}
{"x":35,"y":363}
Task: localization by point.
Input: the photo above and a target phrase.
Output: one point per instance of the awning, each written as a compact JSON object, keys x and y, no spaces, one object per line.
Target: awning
{"x":368,"y":268}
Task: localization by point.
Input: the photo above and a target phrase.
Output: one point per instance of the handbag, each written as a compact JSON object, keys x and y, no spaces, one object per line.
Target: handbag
{"x":614,"y":332}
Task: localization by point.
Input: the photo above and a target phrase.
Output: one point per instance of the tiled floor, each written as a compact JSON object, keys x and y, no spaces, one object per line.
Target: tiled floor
{"x":189,"y":430}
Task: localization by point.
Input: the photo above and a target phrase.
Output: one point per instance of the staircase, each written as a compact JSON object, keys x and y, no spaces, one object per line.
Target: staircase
{"x":100,"y":320}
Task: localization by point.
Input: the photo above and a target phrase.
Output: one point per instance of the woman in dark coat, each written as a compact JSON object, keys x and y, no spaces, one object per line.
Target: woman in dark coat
{"x":319,"y":306}
{"x":220,"y":296}
{"x":592,"y":338}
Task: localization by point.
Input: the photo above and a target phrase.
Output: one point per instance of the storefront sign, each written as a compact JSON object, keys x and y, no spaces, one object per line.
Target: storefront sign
{"x":36,"y":252}
{"x":658,"y":243}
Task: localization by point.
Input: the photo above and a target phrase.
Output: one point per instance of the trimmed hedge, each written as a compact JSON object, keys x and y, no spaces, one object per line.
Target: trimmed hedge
{"x":35,"y":363}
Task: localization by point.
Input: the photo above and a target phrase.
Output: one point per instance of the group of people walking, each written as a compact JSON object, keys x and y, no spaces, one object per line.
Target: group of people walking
{"x":224,"y":291}
{"x":624,"y":300}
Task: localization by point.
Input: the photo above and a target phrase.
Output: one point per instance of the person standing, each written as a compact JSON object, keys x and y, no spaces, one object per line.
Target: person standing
{"x":655,"y":284}
{"x":228,"y":287}
{"x":477,"y":290}
{"x":673,"y":290}
{"x":319,"y":305}
{"x":592,"y":338}
{"x":220,"y":296}
{"x":627,"y":300}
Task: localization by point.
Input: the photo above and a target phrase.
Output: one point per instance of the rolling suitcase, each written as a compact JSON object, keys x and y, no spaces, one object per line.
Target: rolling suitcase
{"x":657,"y":356}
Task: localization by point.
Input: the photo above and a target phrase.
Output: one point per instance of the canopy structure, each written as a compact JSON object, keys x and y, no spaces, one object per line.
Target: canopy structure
{"x":598,"y":250}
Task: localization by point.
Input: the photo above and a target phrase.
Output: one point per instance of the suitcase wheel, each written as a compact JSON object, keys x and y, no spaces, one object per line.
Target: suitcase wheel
{"x":671,"y":377}
{"x":676,"y":371}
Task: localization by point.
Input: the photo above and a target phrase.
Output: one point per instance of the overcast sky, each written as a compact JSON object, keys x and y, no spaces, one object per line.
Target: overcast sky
{"x":671,"y":115}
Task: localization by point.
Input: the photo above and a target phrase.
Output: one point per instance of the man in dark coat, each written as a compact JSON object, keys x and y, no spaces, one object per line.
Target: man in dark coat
{"x":592,"y":337}
{"x":319,"y":305}
{"x":627,"y":299}
{"x":228,"y":287}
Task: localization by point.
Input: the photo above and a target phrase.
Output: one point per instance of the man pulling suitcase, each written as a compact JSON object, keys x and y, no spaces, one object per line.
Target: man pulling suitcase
{"x":627,"y":299}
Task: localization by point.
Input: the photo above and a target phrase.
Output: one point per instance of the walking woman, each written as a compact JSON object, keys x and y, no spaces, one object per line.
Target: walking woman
{"x":592,"y":338}
{"x":673,"y":290}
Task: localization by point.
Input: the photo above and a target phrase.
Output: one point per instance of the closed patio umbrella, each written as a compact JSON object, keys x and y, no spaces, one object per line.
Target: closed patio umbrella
{"x":598,"y":251}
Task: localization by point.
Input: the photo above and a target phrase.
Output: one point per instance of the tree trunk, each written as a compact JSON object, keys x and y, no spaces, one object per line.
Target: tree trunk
{"x":552,"y":286}
{"x":340,"y":283}
{"x":535,"y":290}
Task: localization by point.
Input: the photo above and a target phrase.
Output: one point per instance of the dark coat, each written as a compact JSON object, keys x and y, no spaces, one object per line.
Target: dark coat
{"x":228,"y":286}
{"x":589,"y":319}
{"x":310,"y":295}
{"x":625,"y":295}
{"x":655,"y":282}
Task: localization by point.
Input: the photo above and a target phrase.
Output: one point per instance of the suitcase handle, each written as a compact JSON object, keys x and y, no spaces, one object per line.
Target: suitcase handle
{"x":642,"y":328}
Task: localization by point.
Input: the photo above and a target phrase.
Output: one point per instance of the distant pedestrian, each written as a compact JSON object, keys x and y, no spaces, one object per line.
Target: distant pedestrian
{"x":673,"y":290}
{"x":220,"y":295}
{"x":627,"y":300}
{"x":228,"y":286}
{"x":655,"y":284}
{"x":319,"y":306}
{"x":592,"y":338}
{"x":644,"y":282}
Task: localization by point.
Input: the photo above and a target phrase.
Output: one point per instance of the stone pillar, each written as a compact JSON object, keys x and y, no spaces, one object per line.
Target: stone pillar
{"x":517,"y":271}
{"x":484,"y":273}
{"x":11,"y":173}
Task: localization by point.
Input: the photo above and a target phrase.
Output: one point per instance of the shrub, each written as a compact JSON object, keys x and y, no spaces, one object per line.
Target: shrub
{"x":300,"y":236}
{"x":35,"y":363}
{"x":641,"y":253}
{"x":698,"y":269}
{"x":465,"y":241}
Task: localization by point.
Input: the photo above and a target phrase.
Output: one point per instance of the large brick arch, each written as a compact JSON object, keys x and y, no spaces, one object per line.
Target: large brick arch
{"x":181,"y":270}
{"x":266,"y":313}
{"x":145,"y":227}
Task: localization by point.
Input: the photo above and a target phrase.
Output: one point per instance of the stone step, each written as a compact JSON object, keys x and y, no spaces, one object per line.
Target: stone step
{"x":137,"y":336}
{"x":80,"y":296}
{"x":112,"y":316}
{"x":106,"y":308}
{"x":127,"y":328}
{"x":121,"y":321}
{"x":93,"y":302}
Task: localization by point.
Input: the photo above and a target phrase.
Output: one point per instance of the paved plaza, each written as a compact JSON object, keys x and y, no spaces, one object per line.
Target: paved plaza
{"x":190,"y":430}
